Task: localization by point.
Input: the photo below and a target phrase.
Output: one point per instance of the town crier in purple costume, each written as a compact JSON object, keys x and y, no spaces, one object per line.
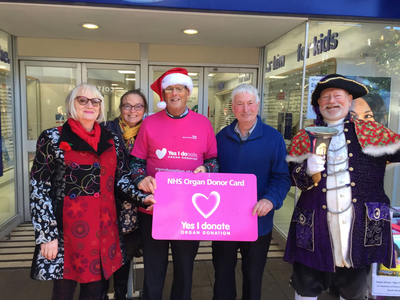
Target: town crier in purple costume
{"x":342,"y":225}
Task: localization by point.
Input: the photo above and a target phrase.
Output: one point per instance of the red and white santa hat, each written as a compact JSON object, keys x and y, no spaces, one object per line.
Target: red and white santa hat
{"x":171,"y":77}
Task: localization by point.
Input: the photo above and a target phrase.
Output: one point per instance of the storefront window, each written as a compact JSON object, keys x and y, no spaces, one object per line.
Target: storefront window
{"x":282,"y":99}
{"x":7,"y":170}
{"x":370,"y":54}
{"x":366,"y":52}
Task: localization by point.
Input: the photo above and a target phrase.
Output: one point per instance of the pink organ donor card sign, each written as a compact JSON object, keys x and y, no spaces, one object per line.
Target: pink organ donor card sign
{"x":205,"y":206}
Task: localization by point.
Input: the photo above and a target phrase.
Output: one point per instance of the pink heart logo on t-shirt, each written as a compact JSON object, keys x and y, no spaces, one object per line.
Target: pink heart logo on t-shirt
{"x":161,"y":153}
{"x":206,"y":206}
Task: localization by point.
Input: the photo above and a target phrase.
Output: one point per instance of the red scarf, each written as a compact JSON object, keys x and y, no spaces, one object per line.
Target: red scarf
{"x":92,"y":137}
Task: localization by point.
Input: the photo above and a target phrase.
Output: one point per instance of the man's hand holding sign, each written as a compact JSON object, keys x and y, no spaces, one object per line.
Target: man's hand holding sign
{"x":262,"y":207}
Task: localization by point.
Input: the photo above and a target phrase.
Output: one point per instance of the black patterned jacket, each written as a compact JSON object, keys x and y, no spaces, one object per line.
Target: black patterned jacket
{"x":48,"y":188}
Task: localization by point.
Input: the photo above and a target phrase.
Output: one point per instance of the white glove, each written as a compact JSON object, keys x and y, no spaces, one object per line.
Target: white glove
{"x":315,"y":164}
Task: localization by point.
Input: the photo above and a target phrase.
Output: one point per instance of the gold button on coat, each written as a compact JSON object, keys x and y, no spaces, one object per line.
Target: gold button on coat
{"x":351,"y":154}
{"x":352,"y":184}
{"x":324,"y":190}
{"x":348,"y":142}
{"x":324,"y":175}
{"x":351,"y":169}
{"x":345,"y":130}
{"x":324,"y":206}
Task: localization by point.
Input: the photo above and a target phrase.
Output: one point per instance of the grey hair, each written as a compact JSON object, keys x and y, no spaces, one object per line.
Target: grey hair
{"x":81,"y":88}
{"x":245,"y":88}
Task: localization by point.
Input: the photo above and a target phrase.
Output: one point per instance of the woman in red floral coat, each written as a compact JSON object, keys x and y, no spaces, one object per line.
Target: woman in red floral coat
{"x":74,"y":174}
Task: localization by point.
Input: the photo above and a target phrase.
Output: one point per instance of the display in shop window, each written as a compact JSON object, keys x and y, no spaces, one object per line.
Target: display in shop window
{"x":6,"y":129}
{"x":4,"y":56}
{"x":375,"y":105}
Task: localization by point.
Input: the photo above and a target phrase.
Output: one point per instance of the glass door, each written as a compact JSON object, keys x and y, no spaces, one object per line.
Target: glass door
{"x":112,"y":81}
{"x":220,"y":83}
{"x":194,"y":103}
{"x":44,"y":87}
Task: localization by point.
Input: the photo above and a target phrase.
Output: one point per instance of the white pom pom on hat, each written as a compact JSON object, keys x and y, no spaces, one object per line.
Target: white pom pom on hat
{"x":161,"y":105}
{"x":171,"y":77}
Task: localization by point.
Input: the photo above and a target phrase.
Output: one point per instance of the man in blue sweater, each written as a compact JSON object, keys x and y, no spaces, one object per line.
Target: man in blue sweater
{"x":252,"y":147}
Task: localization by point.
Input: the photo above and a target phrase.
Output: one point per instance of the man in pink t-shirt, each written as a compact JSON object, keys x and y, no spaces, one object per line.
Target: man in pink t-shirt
{"x":173,"y":140}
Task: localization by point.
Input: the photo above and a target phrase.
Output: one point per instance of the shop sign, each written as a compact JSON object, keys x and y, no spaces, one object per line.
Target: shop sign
{"x":366,"y":8}
{"x":276,"y":63}
{"x":319,"y":45}
{"x":100,"y":88}
{"x":4,"y":56}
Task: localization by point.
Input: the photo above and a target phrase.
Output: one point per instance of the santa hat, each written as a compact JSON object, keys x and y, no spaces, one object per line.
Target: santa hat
{"x":171,"y":77}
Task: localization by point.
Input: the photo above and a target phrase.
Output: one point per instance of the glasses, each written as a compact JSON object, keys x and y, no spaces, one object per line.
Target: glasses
{"x":82,"y":100}
{"x":178,"y":89}
{"x":137,"y":107}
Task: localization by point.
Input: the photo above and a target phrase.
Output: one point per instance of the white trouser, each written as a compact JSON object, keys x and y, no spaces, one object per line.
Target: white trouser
{"x":298,"y":297}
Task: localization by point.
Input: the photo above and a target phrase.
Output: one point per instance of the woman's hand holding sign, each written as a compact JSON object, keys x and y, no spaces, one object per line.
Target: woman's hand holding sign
{"x":149,"y":200}
{"x":262,"y":207}
{"x":148,"y":185}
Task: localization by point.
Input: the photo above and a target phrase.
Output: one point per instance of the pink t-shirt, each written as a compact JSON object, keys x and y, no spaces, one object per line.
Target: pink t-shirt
{"x":175,"y":145}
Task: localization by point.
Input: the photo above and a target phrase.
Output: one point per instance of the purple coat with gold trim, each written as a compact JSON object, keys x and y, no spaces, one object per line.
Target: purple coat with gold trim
{"x":370,"y":147}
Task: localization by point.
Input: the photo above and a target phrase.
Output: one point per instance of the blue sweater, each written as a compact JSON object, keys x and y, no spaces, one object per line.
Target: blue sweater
{"x":262,"y":154}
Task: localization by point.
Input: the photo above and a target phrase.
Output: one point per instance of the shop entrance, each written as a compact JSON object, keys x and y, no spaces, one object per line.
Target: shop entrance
{"x":44,"y":87}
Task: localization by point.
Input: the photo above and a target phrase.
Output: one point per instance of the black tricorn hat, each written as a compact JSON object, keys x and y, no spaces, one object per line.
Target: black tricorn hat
{"x":340,"y":82}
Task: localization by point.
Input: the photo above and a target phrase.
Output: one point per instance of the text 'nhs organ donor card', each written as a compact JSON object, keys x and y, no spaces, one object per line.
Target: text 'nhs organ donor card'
{"x":205,"y":206}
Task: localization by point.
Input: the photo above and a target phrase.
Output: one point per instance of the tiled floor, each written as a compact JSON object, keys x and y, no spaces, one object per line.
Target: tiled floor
{"x":16,"y":284}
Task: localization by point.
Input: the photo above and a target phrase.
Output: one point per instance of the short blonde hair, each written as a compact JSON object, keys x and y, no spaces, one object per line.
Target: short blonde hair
{"x":83,"y":87}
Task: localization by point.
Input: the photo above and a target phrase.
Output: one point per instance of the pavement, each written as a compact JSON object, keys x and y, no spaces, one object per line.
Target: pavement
{"x":15,"y":284}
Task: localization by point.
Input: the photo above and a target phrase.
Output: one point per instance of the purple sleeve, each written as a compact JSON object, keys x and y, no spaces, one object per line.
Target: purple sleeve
{"x":300,"y":177}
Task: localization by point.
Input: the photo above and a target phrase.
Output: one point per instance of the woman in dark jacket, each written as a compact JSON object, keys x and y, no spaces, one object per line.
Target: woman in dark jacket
{"x":76,"y":170}
{"x":132,"y":107}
